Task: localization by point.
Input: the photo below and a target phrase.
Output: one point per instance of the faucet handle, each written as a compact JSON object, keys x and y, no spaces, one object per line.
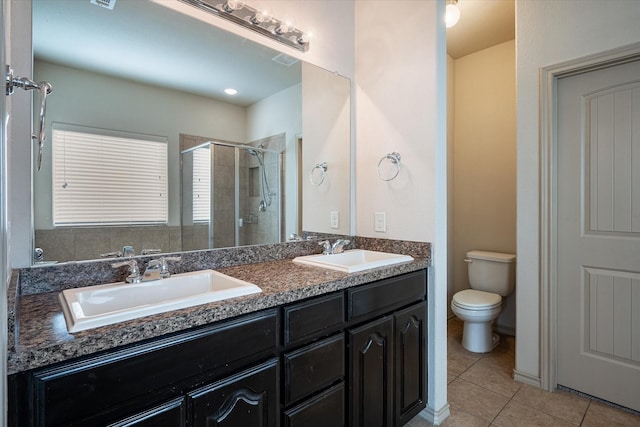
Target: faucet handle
{"x":326,"y":246}
{"x":134,"y":271}
{"x":338,"y":246}
{"x":114,"y":254}
{"x":150,"y":251}
{"x":164,"y":267}
{"x":128,"y":251}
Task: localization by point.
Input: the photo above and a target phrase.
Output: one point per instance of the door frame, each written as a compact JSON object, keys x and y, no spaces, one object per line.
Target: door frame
{"x":549,"y":77}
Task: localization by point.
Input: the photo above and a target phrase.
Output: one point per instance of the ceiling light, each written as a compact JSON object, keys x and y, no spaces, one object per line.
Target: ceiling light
{"x":230,"y":91}
{"x":260,"y":21}
{"x":452,"y":14}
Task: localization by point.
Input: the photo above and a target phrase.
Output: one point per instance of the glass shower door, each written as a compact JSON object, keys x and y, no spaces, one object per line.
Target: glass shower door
{"x":231,"y":196}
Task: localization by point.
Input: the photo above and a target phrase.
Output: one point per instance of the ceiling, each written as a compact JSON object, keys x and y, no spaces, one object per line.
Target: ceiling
{"x":482,"y":24}
{"x":147,"y":42}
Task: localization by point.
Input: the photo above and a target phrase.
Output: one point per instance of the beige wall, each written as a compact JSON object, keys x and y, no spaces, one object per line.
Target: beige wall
{"x":451,"y":86}
{"x":484,"y":158}
{"x":400,"y":102}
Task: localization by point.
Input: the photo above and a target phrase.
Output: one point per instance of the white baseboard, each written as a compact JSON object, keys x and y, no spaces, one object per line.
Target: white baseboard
{"x":434,"y":417}
{"x":521,"y":377}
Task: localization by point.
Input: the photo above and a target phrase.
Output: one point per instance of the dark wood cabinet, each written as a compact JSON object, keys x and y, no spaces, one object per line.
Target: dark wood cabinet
{"x":410,"y":362}
{"x":355,"y":357}
{"x":111,"y":386}
{"x":247,"y":399}
{"x":371,"y":379}
{"x":387,"y":356}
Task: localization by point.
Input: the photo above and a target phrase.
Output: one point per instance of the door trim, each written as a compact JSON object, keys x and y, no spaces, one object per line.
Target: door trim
{"x":548,"y":194}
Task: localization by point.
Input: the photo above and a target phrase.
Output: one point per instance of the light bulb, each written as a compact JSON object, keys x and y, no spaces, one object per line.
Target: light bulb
{"x":260,"y":17}
{"x":231,"y":5}
{"x":284,"y":27}
{"x":452,"y":15}
{"x":304,"y":38}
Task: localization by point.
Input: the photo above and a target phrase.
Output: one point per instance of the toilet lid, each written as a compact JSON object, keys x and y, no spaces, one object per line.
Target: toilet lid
{"x":473,"y":299}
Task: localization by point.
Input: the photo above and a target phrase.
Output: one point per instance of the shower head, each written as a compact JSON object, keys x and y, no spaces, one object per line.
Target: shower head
{"x":252,"y":152}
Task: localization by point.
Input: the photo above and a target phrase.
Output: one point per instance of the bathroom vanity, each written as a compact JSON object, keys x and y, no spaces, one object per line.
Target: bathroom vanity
{"x":331,"y":349}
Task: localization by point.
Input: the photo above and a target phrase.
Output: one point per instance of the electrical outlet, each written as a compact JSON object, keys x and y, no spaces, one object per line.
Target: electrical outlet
{"x":381,"y":222}
{"x":335,"y":219}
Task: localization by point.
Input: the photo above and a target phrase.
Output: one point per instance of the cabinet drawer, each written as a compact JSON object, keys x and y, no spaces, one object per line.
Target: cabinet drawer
{"x":170,"y":414}
{"x":313,"y":367}
{"x":105,"y":387}
{"x":325,"y":410}
{"x":371,"y":300}
{"x":316,"y":317}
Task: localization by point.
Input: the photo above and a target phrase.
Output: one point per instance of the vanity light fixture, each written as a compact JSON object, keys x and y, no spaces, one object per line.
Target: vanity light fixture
{"x":259,"y":21}
{"x":452,"y":14}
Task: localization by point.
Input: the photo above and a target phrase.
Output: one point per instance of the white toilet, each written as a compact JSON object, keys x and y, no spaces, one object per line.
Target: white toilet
{"x":491,"y":276}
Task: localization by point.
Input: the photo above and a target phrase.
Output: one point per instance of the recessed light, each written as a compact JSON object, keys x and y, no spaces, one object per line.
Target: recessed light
{"x":230,"y":91}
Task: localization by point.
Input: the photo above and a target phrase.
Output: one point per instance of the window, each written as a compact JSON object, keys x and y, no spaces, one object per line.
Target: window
{"x":201,"y":184}
{"x":103,"y":177}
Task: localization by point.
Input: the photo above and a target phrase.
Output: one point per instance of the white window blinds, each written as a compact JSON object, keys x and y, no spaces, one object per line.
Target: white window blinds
{"x":107,"y":179}
{"x":201,"y":184}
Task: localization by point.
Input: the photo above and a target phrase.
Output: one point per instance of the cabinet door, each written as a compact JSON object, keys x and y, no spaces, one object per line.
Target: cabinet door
{"x":170,"y":414}
{"x":410,"y":359}
{"x":248,"y":399}
{"x":371,"y":378}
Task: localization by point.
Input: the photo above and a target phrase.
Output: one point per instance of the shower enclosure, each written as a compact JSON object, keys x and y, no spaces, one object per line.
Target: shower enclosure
{"x":231,"y":196}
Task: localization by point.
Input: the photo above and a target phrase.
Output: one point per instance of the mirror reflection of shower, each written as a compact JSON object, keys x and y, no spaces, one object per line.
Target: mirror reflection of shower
{"x":267,"y":194}
{"x":232,"y":194}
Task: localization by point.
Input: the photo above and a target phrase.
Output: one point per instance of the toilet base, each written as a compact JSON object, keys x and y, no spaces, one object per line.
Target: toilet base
{"x":478,"y":338}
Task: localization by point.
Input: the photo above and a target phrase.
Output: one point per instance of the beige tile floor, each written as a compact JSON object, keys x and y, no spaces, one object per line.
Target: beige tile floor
{"x":481,"y":392}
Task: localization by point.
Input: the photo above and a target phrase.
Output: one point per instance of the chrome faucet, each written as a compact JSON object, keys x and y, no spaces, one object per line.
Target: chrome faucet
{"x":336,"y":248}
{"x":128,"y":252}
{"x":158,"y":268}
{"x":134,"y":272}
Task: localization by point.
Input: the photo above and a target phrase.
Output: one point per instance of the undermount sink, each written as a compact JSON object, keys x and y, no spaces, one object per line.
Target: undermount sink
{"x":94,"y":306}
{"x":353,"y":260}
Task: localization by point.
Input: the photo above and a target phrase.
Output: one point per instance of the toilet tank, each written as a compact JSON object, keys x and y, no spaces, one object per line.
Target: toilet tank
{"x":491,"y":271}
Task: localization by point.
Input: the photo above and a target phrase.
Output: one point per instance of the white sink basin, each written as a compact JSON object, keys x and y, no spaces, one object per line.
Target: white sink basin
{"x":94,"y":306}
{"x":353,"y":260}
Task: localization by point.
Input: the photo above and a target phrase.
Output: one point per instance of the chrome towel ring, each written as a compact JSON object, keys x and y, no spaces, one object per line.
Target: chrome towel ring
{"x":394,"y":158}
{"x":318,"y":173}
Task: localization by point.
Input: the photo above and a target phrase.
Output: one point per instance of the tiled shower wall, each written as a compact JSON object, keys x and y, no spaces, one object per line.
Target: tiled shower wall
{"x":74,"y":243}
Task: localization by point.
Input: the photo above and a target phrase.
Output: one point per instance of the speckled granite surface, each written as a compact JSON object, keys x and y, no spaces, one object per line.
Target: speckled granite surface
{"x":38,"y":334}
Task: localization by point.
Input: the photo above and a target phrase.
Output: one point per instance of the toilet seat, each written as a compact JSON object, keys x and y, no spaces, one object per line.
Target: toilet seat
{"x":471,"y":299}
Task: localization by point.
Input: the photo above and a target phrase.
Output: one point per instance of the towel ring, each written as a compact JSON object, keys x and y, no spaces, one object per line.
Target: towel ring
{"x":395,"y":159}
{"x":320,"y":173}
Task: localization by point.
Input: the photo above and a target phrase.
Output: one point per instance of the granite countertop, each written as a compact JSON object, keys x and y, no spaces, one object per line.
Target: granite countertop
{"x":39,"y":337}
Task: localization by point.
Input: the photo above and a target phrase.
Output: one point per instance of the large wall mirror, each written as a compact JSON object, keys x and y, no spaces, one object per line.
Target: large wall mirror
{"x":145,"y":149}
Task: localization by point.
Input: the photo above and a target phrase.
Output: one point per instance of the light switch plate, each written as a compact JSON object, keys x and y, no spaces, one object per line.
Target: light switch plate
{"x":335,"y":219}
{"x":381,"y":222}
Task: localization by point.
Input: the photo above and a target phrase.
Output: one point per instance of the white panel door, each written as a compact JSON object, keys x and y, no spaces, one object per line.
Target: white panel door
{"x":598,"y":221}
